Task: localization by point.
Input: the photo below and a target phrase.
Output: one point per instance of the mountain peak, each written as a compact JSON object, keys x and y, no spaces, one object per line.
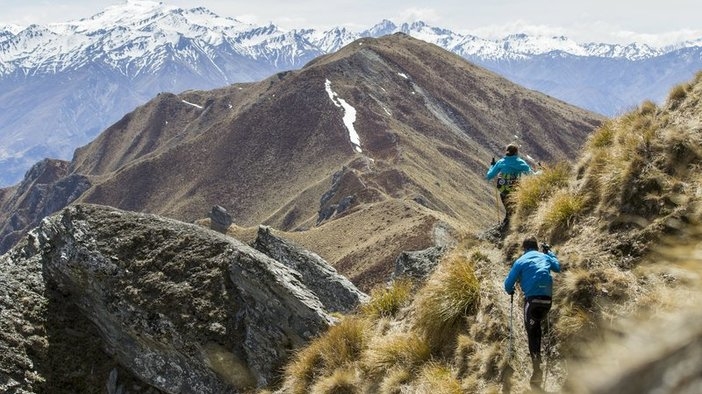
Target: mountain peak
{"x":383,"y":28}
{"x":141,"y":47}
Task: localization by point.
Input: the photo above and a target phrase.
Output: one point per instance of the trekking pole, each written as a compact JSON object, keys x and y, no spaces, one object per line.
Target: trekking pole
{"x":511,"y":329}
{"x":497,"y":205}
{"x":548,"y":348}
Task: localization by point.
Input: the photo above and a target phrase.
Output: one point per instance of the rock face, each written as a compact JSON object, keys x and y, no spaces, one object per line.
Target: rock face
{"x":47,"y":187}
{"x":336,"y":293}
{"x":418,"y":264}
{"x":220,"y":219}
{"x":153,"y":303}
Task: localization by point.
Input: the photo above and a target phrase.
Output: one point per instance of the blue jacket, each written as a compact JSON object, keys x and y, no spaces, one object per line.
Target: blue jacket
{"x":533,"y":272}
{"x":513,"y":165}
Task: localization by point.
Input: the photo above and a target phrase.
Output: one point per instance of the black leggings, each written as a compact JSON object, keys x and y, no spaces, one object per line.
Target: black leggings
{"x":504,"y":196}
{"x":535,"y":310}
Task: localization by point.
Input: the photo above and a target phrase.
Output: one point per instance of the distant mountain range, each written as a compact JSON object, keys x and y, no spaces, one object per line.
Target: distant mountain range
{"x":388,"y":136}
{"x":63,"y":83}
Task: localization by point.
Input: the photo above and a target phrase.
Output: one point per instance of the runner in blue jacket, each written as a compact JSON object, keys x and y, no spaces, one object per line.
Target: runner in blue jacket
{"x":509,"y":168}
{"x":533,"y":272}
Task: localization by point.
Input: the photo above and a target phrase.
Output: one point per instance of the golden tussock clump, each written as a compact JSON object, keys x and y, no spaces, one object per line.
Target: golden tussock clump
{"x":533,"y":190}
{"x":340,"y":346}
{"x":451,"y":294}
{"x":437,"y":378}
{"x":404,"y":350}
{"x":387,"y":301}
{"x":341,"y":381}
{"x":394,"y":381}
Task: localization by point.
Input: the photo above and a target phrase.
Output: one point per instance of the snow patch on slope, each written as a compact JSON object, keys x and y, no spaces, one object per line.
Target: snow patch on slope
{"x":349,"y":115}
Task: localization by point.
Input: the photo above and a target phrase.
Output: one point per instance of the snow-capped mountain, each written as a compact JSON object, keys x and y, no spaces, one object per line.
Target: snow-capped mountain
{"x":63,"y":83}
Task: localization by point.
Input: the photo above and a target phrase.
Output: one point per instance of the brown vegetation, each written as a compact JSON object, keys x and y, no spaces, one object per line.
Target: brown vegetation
{"x":636,"y":186}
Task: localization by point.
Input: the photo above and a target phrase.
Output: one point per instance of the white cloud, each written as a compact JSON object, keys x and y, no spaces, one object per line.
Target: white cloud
{"x":662,"y":39}
{"x":587,"y":32}
{"x":652,"y":22}
{"x":414,"y":14}
{"x":518,"y":26}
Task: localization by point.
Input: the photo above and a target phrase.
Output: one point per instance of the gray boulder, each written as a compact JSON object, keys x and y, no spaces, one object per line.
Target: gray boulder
{"x":335,"y":291}
{"x":417,"y":264}
{"x":220,"y":219}
{"x":173,"y":306}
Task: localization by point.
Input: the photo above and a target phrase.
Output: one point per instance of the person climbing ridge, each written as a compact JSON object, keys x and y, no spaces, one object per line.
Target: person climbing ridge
{"x":533,"y":272}
{"x":508,"y":170}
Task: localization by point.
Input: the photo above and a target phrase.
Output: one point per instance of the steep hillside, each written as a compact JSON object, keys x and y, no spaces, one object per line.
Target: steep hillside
{"x":61,"y":84}
{"x":284,"y":152}
{"x":626,"y":224}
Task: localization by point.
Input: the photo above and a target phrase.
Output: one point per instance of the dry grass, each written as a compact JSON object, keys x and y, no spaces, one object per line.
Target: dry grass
{"x":451,"y":294}
{"x":342,"y":345}
{"x":643,"y":164}
{"x":465,"y":349}
{"x":602,"y":137}
{"x":561,"y":211}
{"x":571,"y":320}
{"x":635,"y":181}
{"x":394,"y":381}
{"x":302,"y":370}
{"x":648,"y":107}
{"x":344,"y":342}
{"x":678,"y":93}
{"x":401,"y":350}
{"x":533,"y":190}
{"x":341,"y":381}
{"x":437,"y":378}
{"x":386,"y":302}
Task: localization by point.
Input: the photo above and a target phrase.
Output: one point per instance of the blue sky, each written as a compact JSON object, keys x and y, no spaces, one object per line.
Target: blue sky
{"x":657,"y":22}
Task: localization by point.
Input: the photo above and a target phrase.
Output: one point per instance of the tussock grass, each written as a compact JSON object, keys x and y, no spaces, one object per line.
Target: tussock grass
{"x":533,"y":190}
{"x":465,"y":349}
{"x":647,"y":108}
{"x":340,"y":346}
{"x":582,"y":286}
{"x":571,"y":323}
{"x":400,"y":350}
{"x":602,"y":137}
{"x":386,"y":302}
{"x":615,"y":156}
{"x":562,"y":210}
{"x":302,"y":370}
{"x":394,"y":381}
{"x":341,"y":381}
{"x":491,"y":360}
{"x":437,"y":378}
{"x":678,"y":93}
{"x":449,"y":296}
{"x":478,"y":256}
{"x":344,"y":342}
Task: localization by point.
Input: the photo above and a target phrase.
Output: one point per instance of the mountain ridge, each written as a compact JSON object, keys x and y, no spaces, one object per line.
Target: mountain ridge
{"x":63,"y":83}
{"x":284,"y":151}
{"x":171,"y":23}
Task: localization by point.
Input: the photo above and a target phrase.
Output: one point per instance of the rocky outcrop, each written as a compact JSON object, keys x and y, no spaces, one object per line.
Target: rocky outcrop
{"x":417,"y":264}
{"x":335,"y":291}
{"x":158,"y":303}
{"x":46,"y":188}
{"x":220,"y":219}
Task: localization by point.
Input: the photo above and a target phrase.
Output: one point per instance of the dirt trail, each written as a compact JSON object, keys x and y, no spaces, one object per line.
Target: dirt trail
{"x":519,"y":369}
